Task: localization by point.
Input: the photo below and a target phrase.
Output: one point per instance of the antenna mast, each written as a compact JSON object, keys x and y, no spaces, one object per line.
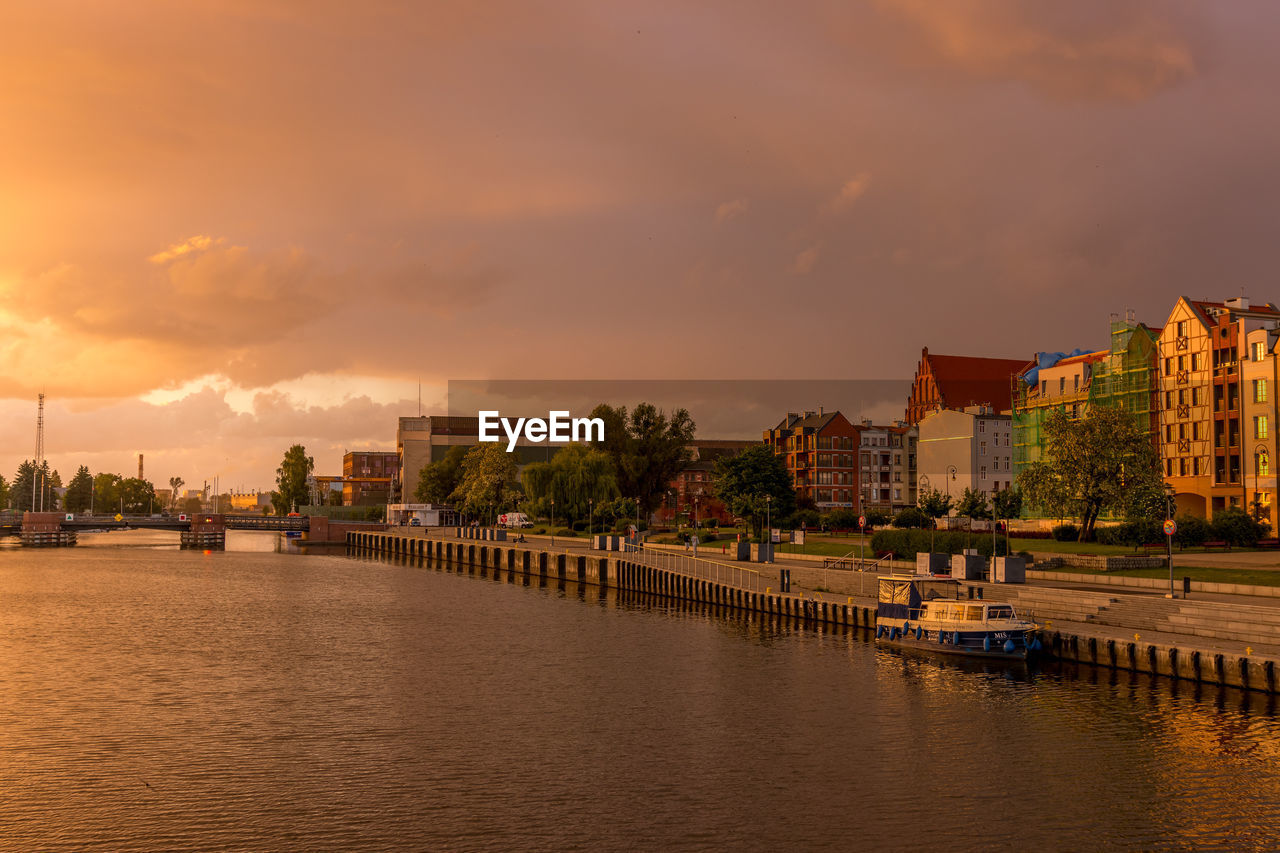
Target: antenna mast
{"x":39,"y":455}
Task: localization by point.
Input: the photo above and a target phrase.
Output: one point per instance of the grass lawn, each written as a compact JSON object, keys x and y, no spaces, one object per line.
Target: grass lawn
{"x":1206,"y":574}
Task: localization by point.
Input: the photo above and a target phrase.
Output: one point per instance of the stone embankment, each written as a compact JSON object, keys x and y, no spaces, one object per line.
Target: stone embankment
{"x":1233,"y":645}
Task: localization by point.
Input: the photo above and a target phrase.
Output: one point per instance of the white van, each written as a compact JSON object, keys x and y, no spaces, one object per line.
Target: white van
{"x":514,"y":520}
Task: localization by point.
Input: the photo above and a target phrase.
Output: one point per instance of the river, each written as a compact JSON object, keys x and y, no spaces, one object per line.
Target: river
{"x":266,"y":699}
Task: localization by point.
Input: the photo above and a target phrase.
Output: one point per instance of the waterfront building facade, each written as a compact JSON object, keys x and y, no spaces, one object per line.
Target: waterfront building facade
{"x":691,"y":493}
{"x":886,"y":466}
{"x":1213,"y":382}
{"x":820,"y":451}
{"x":965,"y":449}
{"x":369,"y":477}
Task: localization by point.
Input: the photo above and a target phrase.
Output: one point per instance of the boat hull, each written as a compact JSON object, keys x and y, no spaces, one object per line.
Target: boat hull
{"x":982,"y":644}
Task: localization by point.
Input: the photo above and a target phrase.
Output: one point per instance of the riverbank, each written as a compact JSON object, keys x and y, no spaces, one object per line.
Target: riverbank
{"x":1213,"y":642}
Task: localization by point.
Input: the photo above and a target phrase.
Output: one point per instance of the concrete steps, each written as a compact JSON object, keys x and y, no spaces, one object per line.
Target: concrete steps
{"x":1043,"y":604}
{"x":1221,"y":621}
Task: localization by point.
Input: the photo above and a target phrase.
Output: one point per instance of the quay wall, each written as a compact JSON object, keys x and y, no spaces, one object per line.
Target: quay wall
{"x":620,"y":571}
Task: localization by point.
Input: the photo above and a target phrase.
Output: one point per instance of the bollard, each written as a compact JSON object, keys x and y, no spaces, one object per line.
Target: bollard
{"x":1186,"y":587}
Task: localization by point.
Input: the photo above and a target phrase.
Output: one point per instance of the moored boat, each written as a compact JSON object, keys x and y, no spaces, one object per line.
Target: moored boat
{"x":927,"y":613}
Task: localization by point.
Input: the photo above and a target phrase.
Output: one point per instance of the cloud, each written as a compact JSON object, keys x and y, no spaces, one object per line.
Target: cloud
{"x":1082,"y":50}
{"x":852,"y":190}
{"x":197,"y":243}
{"x":731,"y":209}
{"x":806,"y":260}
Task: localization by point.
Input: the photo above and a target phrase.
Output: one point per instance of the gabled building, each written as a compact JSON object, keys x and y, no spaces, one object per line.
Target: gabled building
{"x":820,"y":451}
{"x":957,"y":382}
{"x":1216,"y":374}
{"x":969,"y":449}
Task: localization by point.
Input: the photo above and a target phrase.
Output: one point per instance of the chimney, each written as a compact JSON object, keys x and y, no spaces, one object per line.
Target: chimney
{"x":140,"y":477}
{"x":1239,"y":303}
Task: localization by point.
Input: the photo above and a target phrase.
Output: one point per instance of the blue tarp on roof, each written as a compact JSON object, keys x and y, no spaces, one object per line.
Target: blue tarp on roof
{"x":1048,"y":359}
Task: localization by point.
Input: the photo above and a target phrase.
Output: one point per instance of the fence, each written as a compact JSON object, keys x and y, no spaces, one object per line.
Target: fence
{"x":701,"y":569}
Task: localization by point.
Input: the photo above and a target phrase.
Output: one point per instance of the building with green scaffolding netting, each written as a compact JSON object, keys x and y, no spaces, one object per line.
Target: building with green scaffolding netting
{"x":1123,"y":375}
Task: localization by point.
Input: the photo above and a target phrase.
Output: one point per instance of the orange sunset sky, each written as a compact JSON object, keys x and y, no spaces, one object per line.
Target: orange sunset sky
{"x":229,"y":226}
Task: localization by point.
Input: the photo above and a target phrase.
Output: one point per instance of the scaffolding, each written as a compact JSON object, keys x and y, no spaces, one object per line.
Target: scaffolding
{"x":1125,"y":378}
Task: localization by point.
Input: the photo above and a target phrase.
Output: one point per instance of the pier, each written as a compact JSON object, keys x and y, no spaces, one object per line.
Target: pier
{"x":1209,"y":642}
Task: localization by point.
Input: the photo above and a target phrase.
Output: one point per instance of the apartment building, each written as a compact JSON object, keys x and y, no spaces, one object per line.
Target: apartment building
{"x":886,"y":466}
{"x":969,"y":449}
{"x":820,"y":451}
{"x":1216,"y":374}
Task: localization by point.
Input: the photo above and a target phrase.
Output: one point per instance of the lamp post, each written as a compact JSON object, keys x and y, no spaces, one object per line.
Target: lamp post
{"x":1259,"y":453}
{"x":591,"y":518}
{"x":933,"y":522}
{"x":1168,"y":518}
{"x":553,"y":522}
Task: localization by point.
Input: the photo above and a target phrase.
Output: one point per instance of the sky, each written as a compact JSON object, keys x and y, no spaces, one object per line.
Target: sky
{"x":226,"y":227}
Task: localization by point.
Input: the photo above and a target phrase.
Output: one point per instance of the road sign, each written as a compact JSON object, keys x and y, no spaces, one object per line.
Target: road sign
{"x":71,"y":516}
{"x":862,"y":521}
{"x":1170,"y":527}
{"x":182,"y":517}
{"x":119,"y":517}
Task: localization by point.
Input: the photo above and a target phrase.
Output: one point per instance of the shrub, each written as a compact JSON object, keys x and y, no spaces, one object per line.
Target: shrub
{"x":906,"y":543}
{"x":1026,"y":555}
{"x":1192,"y":531}
{"x":1066,"y":533}
{"x":564,"y":531}
{"x":911,"y":517}
{"x":1236,"y":526}
{"x":804,"y":518}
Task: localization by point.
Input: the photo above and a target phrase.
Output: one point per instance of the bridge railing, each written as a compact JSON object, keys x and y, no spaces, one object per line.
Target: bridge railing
{"x":702,"y":569}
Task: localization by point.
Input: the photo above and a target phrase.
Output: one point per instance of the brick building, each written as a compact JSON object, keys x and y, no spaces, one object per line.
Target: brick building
{"x":957,"y":382}
{"x":368,"y":477}
{"x":820,"y":450}
{"x":692,"y":491}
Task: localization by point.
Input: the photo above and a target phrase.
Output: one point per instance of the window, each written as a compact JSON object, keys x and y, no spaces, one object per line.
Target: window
{"x":1195,"y":466}
{"x":1168,"y":399}
{"x":982,"y":426}
{"x":1182,"y":467}
{"x":1062,"y":384}
{"x":1182,"y":363}
{"x":983,"y":447}
{"x":1044,"y":386}
{"x":1182,"y":328}
{"x":1195,"y":361}
{"x":1259,"y":390}
{"x":1260,"y":426}
{"x":983,"y":470}
{"x":1168,"y":367}
{"x":1259,"y":350}
{"x":1077,"y":380}
{"x":1168,"y":467}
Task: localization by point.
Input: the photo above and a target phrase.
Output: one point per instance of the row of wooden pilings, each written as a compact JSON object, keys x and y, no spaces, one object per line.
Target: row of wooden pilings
{"x":1200,"y":666}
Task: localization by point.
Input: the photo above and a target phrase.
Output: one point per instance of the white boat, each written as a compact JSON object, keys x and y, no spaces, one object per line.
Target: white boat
{"x":927,"y":613}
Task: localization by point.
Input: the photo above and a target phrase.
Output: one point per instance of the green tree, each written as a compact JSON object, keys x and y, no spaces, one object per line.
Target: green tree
{"x":291,"y":478}
{"x":973,"y":504}
{"x":439,"y":479}
{"x":79,"y":491}
{"x":488,"y":481}
{"x":4,"y":493}
{"x":137,"y":496}
{"x":39,"y":481}
{"x":579,"y":478}
{"x":1102,"y":462}
{"x":175,"y":487}
{"x":755,"y":484}
{"x":106,"y":493}
{"x":648,"y":451}
{"x":1007,"y":504}
{"x":934,"y":504}
{"x":193,"y":506}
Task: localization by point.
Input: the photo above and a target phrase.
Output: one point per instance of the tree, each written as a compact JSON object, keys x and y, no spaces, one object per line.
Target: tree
{"x":1007,"y":504}
{"x":1102,"y":462}
{"x":291,"y":478}
{"x":973,"y":504}
{"x":755,"y":484}
{"x":488,"y":480}
{"x":38,"y":481}
{"x":175,"y":486}
{"x":4,"y":493}
{"x":934,"y":504}
{"x":648,"y":449}
{"x":106,"y":493}
{"x":439,"y":479}
{"x":137,"y":496}
{"x":279,"y":506}
{"x":79,"y":494}
{"x":581,"y":479}
{"x":912,"y":517}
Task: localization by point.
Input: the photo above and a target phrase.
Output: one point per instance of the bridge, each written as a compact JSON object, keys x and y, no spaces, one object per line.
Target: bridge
{"x":200,"y":530}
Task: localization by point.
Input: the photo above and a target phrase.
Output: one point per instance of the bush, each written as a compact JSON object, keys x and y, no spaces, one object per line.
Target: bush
{"x":842,"y":519}
{"x":911,"y":517}
{"x":878,"y":518}
{"x":1066,"y":533}
{"x":1236,"y":526}
{"x":804,"y":518}
{"x":907,"y":543}
{"x":1026,"y":555}
{"x":1192,"y":531}
{"x":564,"y":531}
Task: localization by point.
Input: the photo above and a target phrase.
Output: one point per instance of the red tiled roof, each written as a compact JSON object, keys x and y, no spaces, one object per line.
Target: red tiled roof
{"x":970,"y":380}
{"x":1201,"y":307}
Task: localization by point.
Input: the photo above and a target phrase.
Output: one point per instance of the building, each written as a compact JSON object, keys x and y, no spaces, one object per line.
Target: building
{"x":1216,"y":374}
{"x":250,"y":501}
{"x":956,"y":382}
{"x":691,"y":493}
{"x":969,"y":449}
{"x":820,"y":452}
{"x":427,"y":438}
{"x":369,"y":477}
{"x":886,"y":466}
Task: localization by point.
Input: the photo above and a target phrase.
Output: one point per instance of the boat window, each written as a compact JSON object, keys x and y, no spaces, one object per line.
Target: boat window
{"x":974,"y":612}
{"x":999,"y":611}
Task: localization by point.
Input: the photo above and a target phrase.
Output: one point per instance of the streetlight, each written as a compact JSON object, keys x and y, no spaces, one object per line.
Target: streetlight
{"x":553,"y":522}
{"x":933,"y":522}
{"x":591,"y":518}
{"x":1259,"y":454}
{"x":696,"y":498}
{"x":768,"y":521}
{"x":1168,"y":517}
